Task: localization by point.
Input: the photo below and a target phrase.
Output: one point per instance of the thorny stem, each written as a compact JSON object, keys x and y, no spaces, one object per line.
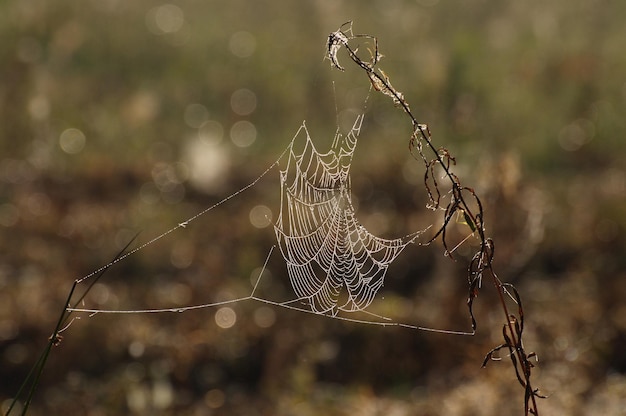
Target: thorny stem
{"x":482,"y":261}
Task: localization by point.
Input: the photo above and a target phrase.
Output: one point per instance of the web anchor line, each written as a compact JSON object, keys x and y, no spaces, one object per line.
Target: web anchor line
{"x":382,"y":320}
{"x":184,"y":224}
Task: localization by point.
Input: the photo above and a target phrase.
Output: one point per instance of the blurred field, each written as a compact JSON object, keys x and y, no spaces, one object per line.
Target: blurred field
{"x":118,"y":117}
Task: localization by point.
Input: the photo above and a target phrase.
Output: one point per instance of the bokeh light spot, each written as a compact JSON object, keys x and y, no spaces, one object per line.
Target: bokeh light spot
{"x":211,"y":132}
{"x":214,"y":398}
{"x":264,"y":317}
{"x":72,"y":141}
{"x":575,"y":135}
{"x":225,"y":317}
{"x":242,"y":44}
{"x":260,"y":216}
{"x":182,"y":255}
{"x":196,"y":115}
{"x":208,"y":164}
{"x":243,"y":133}
{"x":136,"y":349}
{"x":243,"y":101}
{"x":169,"y":18}
{"x":39,"y":108}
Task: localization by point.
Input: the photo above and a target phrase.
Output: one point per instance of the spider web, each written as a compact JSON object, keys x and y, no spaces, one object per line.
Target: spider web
{"x":334,"y":263}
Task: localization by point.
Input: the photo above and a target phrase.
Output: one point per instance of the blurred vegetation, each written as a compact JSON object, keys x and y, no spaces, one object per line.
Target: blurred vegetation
{"x":119,"y":117}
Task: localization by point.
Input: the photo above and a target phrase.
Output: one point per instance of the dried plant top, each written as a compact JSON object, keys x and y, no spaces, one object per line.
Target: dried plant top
{"x":461,"y":202}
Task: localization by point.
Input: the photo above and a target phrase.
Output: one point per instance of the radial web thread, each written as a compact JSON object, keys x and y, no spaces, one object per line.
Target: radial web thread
{"x":334,"y":263}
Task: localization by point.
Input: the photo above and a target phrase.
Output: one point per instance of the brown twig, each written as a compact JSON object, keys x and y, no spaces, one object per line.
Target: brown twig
{"x":481,"y":264}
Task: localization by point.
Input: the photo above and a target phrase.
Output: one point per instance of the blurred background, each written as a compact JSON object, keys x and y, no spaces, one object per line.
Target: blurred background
{"x":123,"y":117}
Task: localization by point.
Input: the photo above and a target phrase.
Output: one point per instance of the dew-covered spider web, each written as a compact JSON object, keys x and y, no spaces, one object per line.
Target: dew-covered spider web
{"x":334,"y":263}
{"x":336,"y":267}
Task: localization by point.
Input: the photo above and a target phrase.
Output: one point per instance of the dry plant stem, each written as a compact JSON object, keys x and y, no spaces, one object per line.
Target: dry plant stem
{"x":481,"y":263}
{"x":37,"y":370}
{"x":55,"y":339}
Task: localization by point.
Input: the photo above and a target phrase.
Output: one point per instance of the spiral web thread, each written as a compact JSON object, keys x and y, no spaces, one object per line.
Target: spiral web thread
{"x":334,"y":263}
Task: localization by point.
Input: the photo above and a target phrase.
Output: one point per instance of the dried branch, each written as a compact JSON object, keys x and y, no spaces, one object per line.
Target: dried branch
{"x":460,"y":204}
